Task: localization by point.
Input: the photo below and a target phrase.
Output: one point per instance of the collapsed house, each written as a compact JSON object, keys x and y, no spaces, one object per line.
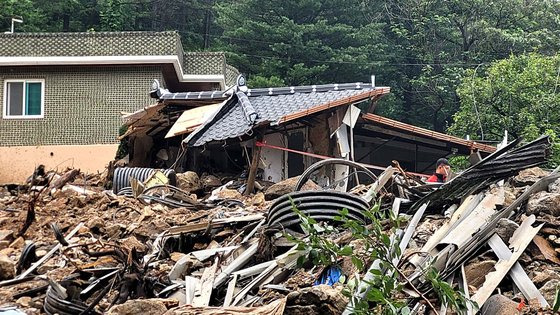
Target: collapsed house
{"x":285,"y":129}
{"x":491,"y":233}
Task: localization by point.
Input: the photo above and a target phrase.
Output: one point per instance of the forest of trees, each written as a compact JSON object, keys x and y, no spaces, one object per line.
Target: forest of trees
{"x":469,"y":67}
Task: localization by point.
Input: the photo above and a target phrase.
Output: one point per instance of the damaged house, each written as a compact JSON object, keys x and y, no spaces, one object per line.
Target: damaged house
{"x":285,"y":129}
{"x":62,"y":93}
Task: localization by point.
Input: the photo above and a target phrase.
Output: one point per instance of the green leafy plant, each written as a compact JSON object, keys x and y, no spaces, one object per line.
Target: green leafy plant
{"x":380,"y":247}
{"x":454,"y":299}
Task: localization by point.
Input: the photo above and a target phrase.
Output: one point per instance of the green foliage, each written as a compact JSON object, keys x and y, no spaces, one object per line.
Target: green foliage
{"x":454,"y":299}
{"x":556,"y":304}
{"x":423,"y":49}
{"x":459,"y":163}
{"x":519,"y":94}
{"x":258,"y":81}
{"x":122,"y":150}
{"x":386,"y":286}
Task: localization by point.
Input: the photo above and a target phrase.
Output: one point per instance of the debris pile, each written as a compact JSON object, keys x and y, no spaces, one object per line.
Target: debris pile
{"x":181,"y":244}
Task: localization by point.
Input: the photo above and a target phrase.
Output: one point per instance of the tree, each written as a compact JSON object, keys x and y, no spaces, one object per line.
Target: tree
{"x":520,"y":94}
{"x":301,"y":42}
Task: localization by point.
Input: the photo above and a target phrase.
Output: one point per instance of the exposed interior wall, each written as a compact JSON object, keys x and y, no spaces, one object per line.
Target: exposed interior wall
{"x":18,"y":163}
{"x":273,"y":159}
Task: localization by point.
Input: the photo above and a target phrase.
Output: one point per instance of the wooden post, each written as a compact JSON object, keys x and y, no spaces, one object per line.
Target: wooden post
{"x":254,"y":165}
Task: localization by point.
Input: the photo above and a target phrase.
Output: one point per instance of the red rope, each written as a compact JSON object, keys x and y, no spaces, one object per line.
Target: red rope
{"x":323,"y":157}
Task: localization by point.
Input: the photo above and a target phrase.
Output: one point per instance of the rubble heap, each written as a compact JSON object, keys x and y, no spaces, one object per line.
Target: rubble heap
{"x":69,"y":246}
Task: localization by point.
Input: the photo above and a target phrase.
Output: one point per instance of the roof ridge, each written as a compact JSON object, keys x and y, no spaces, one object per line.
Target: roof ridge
{"x":90,"y":34}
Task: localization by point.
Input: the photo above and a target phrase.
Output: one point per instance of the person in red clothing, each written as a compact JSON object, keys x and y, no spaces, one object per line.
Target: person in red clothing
{"x":442,"y":171}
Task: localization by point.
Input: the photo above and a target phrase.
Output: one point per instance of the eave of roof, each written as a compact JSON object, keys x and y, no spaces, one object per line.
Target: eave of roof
{"x":112,"y":60}
{"x":387,"y":122}
{"x":376,"y":93}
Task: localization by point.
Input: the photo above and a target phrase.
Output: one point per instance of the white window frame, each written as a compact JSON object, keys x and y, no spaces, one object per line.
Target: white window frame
{"x":23,"y":116}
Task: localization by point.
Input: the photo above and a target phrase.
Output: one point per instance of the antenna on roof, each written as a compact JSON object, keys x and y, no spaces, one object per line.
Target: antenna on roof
{"x":15,"y":19}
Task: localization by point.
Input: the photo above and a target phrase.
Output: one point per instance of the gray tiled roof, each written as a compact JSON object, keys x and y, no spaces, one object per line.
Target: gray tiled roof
{"x":270,"y":105}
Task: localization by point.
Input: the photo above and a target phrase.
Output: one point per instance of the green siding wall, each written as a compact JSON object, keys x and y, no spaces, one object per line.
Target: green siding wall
{"x":82,"y":104}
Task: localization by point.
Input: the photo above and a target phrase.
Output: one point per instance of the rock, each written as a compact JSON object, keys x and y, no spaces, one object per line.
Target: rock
{"x":24,"y":301}
{"x":40,"y":253}
{"x":6,"y":235}
{"x":476,"y":272}
{"x":258,"y":199}
{"x":145,"y":307}
{"x":529,"y":176}
{"x":113,"y":231}
{"x":542,"y":277}
{"x":544,"y":202}
{"x":132,"y":242}
{"x":548,"y":290}
{"x":7,"y":268}
{"x":554,"y":187}
{"x":4,"y":244}
{"x":95,"y":224}
{"x":18,"y":243}
{"x":505,"y":229}
{"x":189,"y":181}
{"x":498,"y":304}
{"x":228,"y":194}
{"x":287,"y":186}
{"x":210,"y":181}
{"x":322,"y":299}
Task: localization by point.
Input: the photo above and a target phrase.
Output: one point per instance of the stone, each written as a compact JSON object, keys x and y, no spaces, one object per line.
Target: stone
{"x":548,"y":290}
{"x":18,"y":243}
{"x":4,"y":244}
{"x":113,"y":231}
{"x":544,"y":202}
{"x":189,"y":181}
{"x":476,"y":272}
{"x":505,"y":229}
{"x":554,"y":187}
{"x":287,"y":186}
{"x":321,"y":299}
{"x":228,"y":194}
{"x":542,"y":277}
{"x":40,"y":253}
{"x":24,"y":301}
{"x":258,"y":199}
{"x":210,"y":181}
{"x":132,"y":242}
{"x":529,"y":176}
{"x":145,"y":307}
{"x":7,"y":268}
{"x":498,"y":304}
{"x":95,"y":224}
{"x":6,"y":235}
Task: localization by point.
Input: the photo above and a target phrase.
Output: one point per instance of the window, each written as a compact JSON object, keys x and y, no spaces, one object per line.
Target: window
{"x":24,"y":98}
